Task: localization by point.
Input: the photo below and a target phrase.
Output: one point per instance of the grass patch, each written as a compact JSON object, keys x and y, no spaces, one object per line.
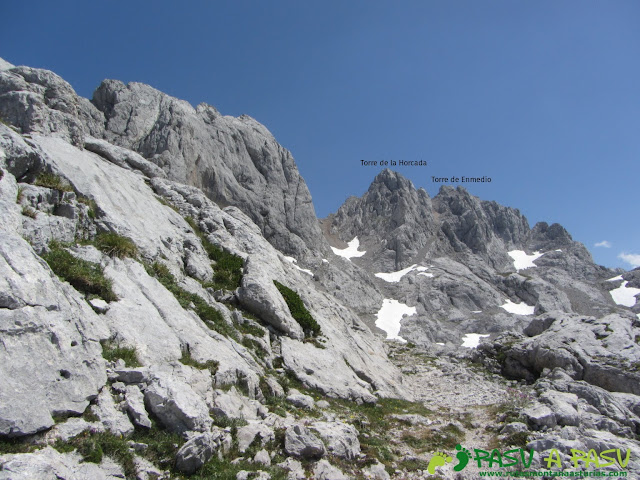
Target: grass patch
{"x":187,"y":359}
{"x":429,"y":440}
{"x":414,"y":464}
{"x":16,"y":445}
{"x":255,"y":347}
{"x":116,"y":245}
{"x":209,"y":315}
{"x":112,"y":351}
{"x":20,"y":194}
{"x":89,"y":202}
{"x":51,"y":180}
{"x":374,"y":422}
{"x":298,"y":310}
{"x":518,"y":439}
{"x":162,"y":445}
{"x":251,"y":329}
{"x":93,"y":447}
{"x":227,"y":267}
{"x":84,"y":276}
{"x":29,"y":212}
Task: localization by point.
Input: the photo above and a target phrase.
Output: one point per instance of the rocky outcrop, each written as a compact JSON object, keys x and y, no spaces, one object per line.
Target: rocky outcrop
{"x":234,"y":161}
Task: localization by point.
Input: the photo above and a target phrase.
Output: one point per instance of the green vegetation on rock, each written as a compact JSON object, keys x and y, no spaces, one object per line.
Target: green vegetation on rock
{"x":112,"y":351}
{"x":187,"y":359}
{"x":227,"y":267}
{"x":51,"y":180}
{"x":208,"y":314}
{"x":86,"y":277}
{"x":298,"y":311}
{"x":116,"y":245}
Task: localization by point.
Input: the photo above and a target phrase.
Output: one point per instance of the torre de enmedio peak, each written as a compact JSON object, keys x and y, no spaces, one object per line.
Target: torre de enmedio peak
{"x":171,"y":307}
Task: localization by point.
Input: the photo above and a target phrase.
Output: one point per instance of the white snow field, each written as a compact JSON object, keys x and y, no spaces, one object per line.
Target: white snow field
{"x":472,"y":340}
{"x":616,"y":279}
{"x":521,"y":260}
{"x":518,"y":308}
{"x":295,"y":264}
{"x":351,"y":251}
{"x":389,"y":316}
{"x":624,"y":295}
{"x":396,"y":276}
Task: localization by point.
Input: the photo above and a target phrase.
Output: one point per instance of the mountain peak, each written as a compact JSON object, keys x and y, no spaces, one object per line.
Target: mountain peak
{"x":393,"y":181}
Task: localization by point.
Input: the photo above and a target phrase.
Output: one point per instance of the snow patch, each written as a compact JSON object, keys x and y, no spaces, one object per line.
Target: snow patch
{"x":616,"y":279}
{"x":294,"y":262}
{"x":324,"y":260}
{"x":476,"y":311}
{"x":430,"y":275}
{"x":624,"y":295}
{"x":438,"y":343}
{"x":390,"y":315}
{"x":396,"y":276}
{"x":521,"y":260}
{"x":351,"y":251}
{"x":518,"y":308}
{"x":472,"y":340}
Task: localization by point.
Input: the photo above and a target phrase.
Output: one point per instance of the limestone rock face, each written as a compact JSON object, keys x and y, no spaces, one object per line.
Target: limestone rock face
{"x":234,"y":161}
{"x":50,"y":335}
{"x":49,"y":464}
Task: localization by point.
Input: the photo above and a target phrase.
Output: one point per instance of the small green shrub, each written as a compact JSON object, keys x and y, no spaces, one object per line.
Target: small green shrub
{"x":112,"y":351}
{"x":298,"y":310}
{"x":209,"y":315}
{"x":187,"y":359}
{"x":116,"y":245}
{"x":84,"y":276}
{"x":227,"y":267}
{"x":50,"y":180}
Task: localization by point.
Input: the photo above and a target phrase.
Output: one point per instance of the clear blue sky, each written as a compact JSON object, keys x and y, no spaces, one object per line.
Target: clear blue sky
{"x":542,"y":96}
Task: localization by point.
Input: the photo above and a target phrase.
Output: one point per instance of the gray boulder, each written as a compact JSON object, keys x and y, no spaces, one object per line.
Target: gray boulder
{"x":48,"y":464}
{"x":340,"y":438}
{"x":134,"y":401}
{"x":300,"y":442}
{"x":197,"y":451}
{"x":540,"y":416}
{"x":177,"y":406}
{"x":300,"y":400}
{"x":113,"y":419}
{"x":323,"y":470}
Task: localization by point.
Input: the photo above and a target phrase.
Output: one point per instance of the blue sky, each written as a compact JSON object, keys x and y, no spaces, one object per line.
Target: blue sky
{"x":542,"y":96}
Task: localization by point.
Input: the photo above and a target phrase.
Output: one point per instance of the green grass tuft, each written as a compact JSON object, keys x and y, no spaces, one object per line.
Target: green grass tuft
{"x":94,"y":446}
{"x":84,"y":276}
{"x":209,"y":315}
{"x":29,"y":212}
{"x":50,"y":180}
{"x":116,"y":245}
{"x":112,"y":351}
{"x":227,"y":267}
{"x":187,"y":359}
{"x":298,"y":310}
{"x":89,"y":202}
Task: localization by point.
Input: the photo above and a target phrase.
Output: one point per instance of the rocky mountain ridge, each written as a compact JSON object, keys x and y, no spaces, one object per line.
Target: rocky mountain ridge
{"x":169,"y":307}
